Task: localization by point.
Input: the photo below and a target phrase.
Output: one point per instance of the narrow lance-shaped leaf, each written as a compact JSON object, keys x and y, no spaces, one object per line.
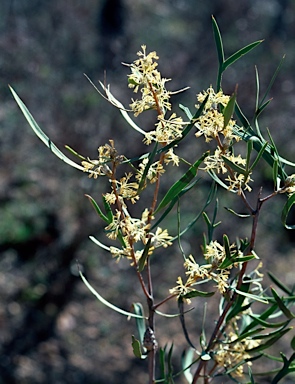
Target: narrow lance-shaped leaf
{"x":144,"y":256}
{"x":177,"y":187}
{"x":173,"y":202}
{"x":267,"y":324}
{"x":237,"y":55}
{"x":140,"y":324}
{"x":269,"y":342}
{"x":136,"y":347}
{"x":110,"y":97}
{"x":219,"y":181}
{"x":226,"y":247}
{"x":97,"y":209}
{"x":220,"y":52}
{"x":196,"y":293}
{"x":218,"y":41}
{"x":186,"y":111}
{"x":181,"y":317}
{"x":257,"y":88}
{"x":170,"y":365}
{"x":261,"y":108}
{"x":187,"y":359}
{"x":105,"y":302}
{"x":229,"y":110}
{"x":287,"y":368}
{"x":279,"y":283}
{"x":259,"y":155}
{"x":234,"y":166}
{"x":282,"y":306}
{"x":42,"y":136}
{"x":243,"y":259}
{"x":211,"y":195}
{"x":162,"y":364}
{"x":275,"y":168}
{"x":287,"y":207}
{"x":249,"y":151}
{"x":273,"y":80}
{"x":108,"y":209}
{"x":265,"y":315}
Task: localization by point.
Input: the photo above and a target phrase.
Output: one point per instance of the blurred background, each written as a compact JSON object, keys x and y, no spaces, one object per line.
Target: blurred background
{"x":52,"y":329}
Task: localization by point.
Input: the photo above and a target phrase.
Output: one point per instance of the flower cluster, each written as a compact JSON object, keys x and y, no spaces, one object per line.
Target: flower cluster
{"x":146,"y":78}
{"x":133,"y":230}
{"x":233,"y":353}
{"x":211,"y":125}
{"x":214,"y":255}
{"x":289,"y":186}
{"x":211,"y":122}
{"x":99,"y":167}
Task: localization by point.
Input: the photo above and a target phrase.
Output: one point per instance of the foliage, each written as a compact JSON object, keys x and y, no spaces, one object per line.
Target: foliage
{"x":250,"y":318}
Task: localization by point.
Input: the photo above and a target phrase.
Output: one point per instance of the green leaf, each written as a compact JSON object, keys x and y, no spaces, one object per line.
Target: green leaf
{"x":259,"y":155}
{"x":275,"y":168}
{"x":170,"y":366}
{"x":230,"y":261}
{"x":218,"y":41}
{"x":144,"y":256}
{"x":237,"y":55}
{"x":173,"y":202}
{"x":249,"y":151}
{"x":263,"y":316}
{"x":182,"y":321}
{"x":234,"y":166}
{"x":272,"y":80}
{"x":38,"y":131}
{"x":173,"y":315}
{"x":196,"y":293}
{"x":105,"y":302}
{"x":252,"y":381}
{"x":97,"y":242}
{"x":75,"y":153}
{"x":162,"y":364}
{"x":261,"y":108}
{"x":282,"y":306}
{"x":267,"y":324}
{"x":211,"y":196}
{"x":186,"y":111}
{"x":187,"y":359}
{"x":269,"y":342}
{"x":109,"y":96}
{"x":226,"y":245}
{"x":293,"y":343}
{"x":136,"y":347}
{"x":140,"y":324}
{"x":252,"y":297}
{"x":245,"y":123}
{"x":229,"y":110}
{"x":248,"y":335}
{"x":178,"y":187}
{"x":287,"y":207}
{"x":238,"y":303}
{"x":287,"y":368}
{"x":97,"y":209}
{"x":220,"y":182}
{"x":279,"y":283}
{"x":242,"y":215}
{"x":108,"y":209}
